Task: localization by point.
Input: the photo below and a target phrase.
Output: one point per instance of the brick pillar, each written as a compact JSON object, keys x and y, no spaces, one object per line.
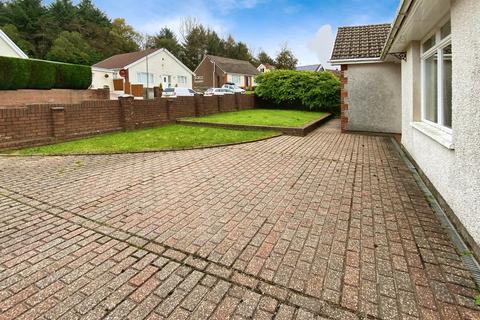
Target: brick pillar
{"x":127,"y":113}
{"x":58,"y":122}
{"x":104,"y":93}
{"x":237,"y":101}
{"x":157,"y":92}
{"x":167,"y":104}
{"x":196,"y":101}
{"x":343,"y":98}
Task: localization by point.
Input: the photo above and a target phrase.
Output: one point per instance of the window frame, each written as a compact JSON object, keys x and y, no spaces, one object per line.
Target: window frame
{"x":236,"y":76}
{"x":437,"y":48}
{"x":182,"y":80}
{"x":150,"y":77}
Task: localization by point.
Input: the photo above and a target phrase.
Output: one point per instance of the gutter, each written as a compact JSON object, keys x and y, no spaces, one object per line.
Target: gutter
{"x":402,"y":14}
{"x":355,"y":61}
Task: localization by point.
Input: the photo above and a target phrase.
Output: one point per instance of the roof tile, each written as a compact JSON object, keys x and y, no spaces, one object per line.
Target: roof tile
{"x":121,"y":60}
{"x":234,"y":66}
{"x":360,"y":42}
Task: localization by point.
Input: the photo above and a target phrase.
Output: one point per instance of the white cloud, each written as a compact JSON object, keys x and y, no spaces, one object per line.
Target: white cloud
{"x":199,"y":10}
{"x":322,"y":44}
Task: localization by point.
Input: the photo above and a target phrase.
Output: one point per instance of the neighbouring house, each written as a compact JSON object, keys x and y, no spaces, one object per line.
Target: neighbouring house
{"x":265,"y":67}
{"x":8,"y":48}
{"x":422,"y":76}
{"x":103,"y":78}
{"x":149,"y":68}
{"x":311,"y":67}
{"x":215,"y":71}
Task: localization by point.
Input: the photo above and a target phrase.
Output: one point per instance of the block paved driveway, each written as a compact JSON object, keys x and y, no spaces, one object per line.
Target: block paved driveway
{"x":329,"y":226}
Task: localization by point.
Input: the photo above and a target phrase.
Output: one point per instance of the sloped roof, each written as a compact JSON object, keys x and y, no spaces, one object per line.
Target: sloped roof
{"x":312,"y":67}
{"x":12,"y":45}
{"x":267,"y":66}
{"x":121,"y":60}
{"x":233,"y":65}
{"x":360,"y":42}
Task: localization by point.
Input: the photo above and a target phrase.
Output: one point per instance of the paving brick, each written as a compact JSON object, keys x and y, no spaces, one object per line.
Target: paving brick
{"x":329,"y":225}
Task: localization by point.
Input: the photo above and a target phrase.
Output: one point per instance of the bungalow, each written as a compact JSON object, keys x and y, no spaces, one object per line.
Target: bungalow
{"x":312,"y":67}
{"x":215,"y":71}
{"x":420,"y":76}
{"x":8,"y":48}
{"x":150,"y":68}
{"x":265,"y":67}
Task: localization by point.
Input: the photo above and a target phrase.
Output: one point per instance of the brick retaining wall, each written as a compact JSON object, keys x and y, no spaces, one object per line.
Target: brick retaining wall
{"x":15,"y":98}
{"x":47,"y":123}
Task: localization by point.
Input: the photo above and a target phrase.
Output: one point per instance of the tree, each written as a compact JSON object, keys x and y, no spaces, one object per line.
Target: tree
{"x":13,"y":33}
{"x":264,"y":58}
{"x":29,"y":16}
{"x":123,"y":38}
{"x":214,"y":44}
{"x":286,"y":59}
{"x":64,"y":15}
{"x":72,"y":48}
{"x":166,"y":39}
{"x":195,"y":47}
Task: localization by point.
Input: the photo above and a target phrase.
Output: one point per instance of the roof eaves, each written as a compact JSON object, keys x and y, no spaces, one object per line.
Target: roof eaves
{"x":337,"y":62}
{"x":402,"y":13}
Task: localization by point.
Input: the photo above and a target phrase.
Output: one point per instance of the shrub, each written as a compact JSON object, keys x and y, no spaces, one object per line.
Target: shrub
{"x":42,"y":74}
{"x":14,"y":73}
{"x":72,"y":76}
{"x":18,"y":73}
{"x":316,"y":91}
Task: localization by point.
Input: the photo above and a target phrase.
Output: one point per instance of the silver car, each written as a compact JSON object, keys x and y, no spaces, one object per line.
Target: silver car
{"x":217,"y":92}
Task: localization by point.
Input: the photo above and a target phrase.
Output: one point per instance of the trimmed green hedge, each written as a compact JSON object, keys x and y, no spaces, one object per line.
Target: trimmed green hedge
{"x":16,"y":73}
{"x":304,"y":90}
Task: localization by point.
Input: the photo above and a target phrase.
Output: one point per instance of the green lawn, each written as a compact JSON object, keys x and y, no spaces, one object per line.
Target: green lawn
{"x":266,"y":117}
{"x":161,"y":138}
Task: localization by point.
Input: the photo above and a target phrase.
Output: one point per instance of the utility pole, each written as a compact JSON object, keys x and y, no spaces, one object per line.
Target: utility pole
{"x":148,"y":76}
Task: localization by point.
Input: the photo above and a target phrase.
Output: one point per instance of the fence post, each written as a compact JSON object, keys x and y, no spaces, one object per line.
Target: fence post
{"x":58,"y":123}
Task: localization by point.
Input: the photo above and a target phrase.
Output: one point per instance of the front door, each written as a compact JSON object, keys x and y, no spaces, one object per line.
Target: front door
{"x":166,"y":81}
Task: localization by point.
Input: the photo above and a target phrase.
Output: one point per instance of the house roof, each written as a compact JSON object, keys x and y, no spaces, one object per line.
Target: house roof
{"x":360,"y":42}
{"x":233,"y":65}
{"x":12,"y":45}
{"x":267,"y":66}
{"x":312,"y":67}
{"x":121,"y":60}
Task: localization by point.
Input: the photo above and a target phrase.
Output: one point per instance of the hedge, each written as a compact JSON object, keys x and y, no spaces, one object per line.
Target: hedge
{"x":305,"y":90}
{"x":16,"y":73}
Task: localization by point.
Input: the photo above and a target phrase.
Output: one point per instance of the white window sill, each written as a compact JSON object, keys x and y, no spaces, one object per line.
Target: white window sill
{"x":440,"y":136}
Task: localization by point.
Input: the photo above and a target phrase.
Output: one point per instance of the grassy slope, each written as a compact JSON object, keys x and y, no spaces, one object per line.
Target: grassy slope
{"x":268,"y":117}
{"x":166,"y":137}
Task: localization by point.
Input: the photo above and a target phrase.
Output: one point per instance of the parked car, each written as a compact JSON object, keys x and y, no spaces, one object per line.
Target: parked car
{"x":177,"y":92}
{"x":217,"y":92}
{"x":233,"y":87}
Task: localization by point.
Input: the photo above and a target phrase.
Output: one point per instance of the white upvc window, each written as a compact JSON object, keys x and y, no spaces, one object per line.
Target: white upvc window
{"x":236,"y":79}
{"x":437,"y":78}
{"x":143,"y":76}
{"x":182,"y":80}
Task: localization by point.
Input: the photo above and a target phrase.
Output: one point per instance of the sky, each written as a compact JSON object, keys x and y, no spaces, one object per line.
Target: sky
{"x":308,"y":27}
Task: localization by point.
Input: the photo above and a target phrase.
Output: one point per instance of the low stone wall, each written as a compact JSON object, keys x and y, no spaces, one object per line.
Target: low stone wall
{"x":24,"y":97}
{"x":47,"y":123}
{"x":291,"y":131}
